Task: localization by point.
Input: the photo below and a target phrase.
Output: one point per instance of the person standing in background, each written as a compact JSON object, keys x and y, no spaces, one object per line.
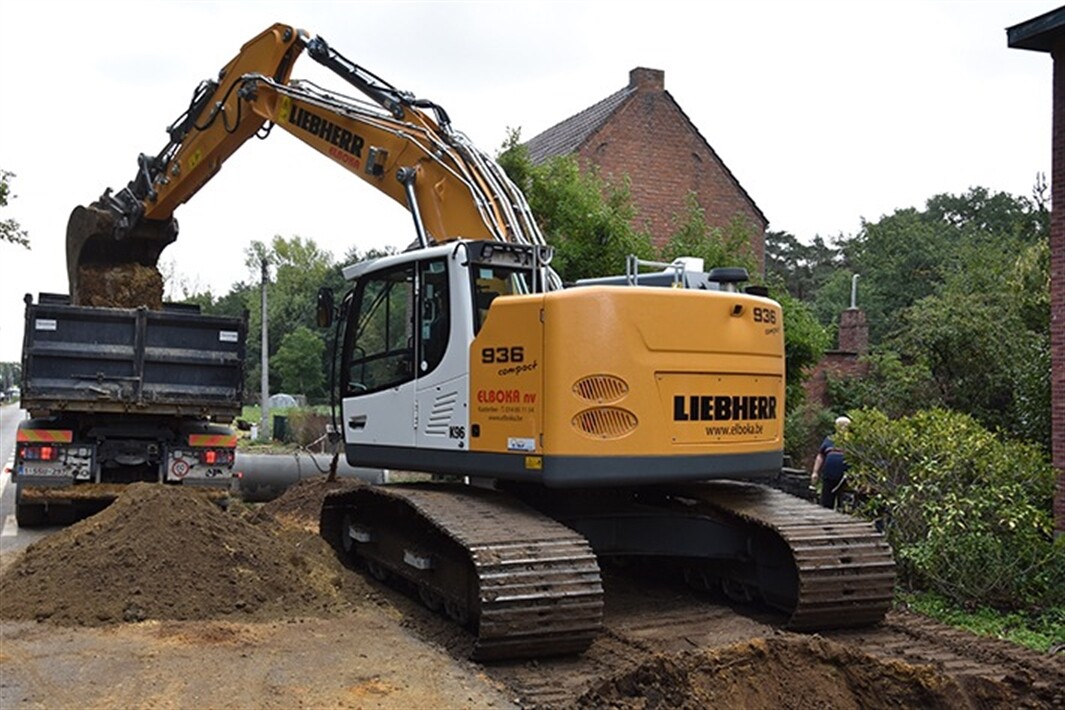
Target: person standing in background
{"x":831,"y":467}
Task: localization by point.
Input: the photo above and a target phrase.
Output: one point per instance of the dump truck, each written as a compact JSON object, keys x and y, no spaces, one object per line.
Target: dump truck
{"x":120,"y":395}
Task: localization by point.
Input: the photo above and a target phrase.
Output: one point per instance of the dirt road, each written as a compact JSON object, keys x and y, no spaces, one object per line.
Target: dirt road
{"x":361,"y":660}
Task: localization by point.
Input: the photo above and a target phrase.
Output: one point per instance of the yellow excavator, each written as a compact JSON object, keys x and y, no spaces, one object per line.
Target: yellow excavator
{"x":606,"y":419}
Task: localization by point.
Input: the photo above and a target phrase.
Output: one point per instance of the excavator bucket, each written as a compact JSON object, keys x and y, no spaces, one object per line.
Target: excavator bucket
{"x":110,"y":264}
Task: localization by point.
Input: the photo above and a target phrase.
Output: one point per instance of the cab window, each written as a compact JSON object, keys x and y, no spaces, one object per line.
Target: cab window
{"x":379,"y":347}
{"x":435,"y":319}
{"x":491,"y":282}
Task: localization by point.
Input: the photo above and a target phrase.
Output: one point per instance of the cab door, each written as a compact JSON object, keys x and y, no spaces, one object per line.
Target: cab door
{"x":443,"y":355}
{"x":377,"y":372}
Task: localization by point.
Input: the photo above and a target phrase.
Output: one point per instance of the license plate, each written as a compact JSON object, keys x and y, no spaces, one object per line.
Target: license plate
{"x":43,"y":471}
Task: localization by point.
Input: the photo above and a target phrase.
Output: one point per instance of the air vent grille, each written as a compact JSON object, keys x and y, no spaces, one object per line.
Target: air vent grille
{"x":602,"y":389}
{"x":605,"y":422}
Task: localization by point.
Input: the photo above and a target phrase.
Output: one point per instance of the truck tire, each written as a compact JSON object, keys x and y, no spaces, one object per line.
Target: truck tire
{"x":30,"y":515}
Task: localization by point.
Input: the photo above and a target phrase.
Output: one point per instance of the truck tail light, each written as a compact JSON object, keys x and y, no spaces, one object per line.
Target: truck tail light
{"x":39,"y":453}
{"x":216,"y":457}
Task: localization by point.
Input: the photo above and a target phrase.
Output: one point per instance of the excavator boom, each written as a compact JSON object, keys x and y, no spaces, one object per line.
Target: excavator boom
{"x":452,"y":189}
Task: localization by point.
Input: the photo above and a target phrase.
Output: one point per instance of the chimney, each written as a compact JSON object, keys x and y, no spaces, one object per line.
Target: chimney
{"x":853,"y":331}
{"x":644,"y":79}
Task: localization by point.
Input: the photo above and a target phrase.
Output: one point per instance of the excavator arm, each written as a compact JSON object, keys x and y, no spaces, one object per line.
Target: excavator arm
{"x":403,"y":146}
{"x":134,"y":224}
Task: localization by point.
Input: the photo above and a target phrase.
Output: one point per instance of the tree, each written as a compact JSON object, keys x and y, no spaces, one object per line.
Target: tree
{"x":966,"y":282}
{"x":10,"y":229}
{"x":587,"y":219}
{"x":298,"y":363}
{"x":965,"y":341}
{"x":10,"y":375}
{"x":693,"y":237}
{"x":300,"y":268}
{"x":802,"y":268}
{"x":982,"y":359}
{"x":966,"y":240}
{"x":805,"y":341}
{"x":891,"y":385}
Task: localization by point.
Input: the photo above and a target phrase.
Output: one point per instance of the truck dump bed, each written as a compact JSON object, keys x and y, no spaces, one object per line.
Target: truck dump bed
{"x":174,"y":362}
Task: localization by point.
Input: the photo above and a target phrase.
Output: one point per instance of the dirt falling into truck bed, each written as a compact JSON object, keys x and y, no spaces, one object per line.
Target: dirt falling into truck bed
{"x":161,"y":552}
{"x":120,"y":286}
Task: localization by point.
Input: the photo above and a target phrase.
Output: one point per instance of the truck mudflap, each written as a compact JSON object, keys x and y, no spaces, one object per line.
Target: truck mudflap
{"x":841,"y":572}
{"x":528,"y":585}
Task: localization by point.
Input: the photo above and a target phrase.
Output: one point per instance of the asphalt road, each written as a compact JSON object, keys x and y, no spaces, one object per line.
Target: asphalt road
{"x":12,"y":538}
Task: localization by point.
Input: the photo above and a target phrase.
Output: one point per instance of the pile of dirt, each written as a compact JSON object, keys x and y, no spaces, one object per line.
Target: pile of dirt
{"x":163,"y":552}
{"x":784,"y":672}
{"x":120,"y":286}
{"x":301,"y":504}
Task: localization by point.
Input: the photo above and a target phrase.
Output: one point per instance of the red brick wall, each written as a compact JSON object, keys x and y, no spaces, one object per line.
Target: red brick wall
{"x":650,"y":140}
{"x":853,"y":331}
{"x":838,"y":365}
{"x":1057,"y":284}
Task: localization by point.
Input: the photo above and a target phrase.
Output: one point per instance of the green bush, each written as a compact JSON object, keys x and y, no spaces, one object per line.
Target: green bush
{"x":805,"y":427}
{"x":805,"y":341}
{"x":967,"y":513}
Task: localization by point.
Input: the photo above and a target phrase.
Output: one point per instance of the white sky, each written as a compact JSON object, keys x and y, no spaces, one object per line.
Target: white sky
{"x":826,"y":112}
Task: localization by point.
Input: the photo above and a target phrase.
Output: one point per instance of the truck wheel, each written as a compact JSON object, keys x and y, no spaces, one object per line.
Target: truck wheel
{"x":29,"y":515}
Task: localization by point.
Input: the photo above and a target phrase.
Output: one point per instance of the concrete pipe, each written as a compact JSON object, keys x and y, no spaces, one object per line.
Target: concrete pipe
{"x":263,"y":477}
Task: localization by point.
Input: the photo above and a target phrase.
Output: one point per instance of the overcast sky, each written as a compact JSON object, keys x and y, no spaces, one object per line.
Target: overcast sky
{"x":828,"y":113}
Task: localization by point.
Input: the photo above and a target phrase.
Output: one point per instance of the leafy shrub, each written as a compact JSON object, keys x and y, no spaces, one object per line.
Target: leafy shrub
{"x":889,"y":384}
{"x":805,"y":342}
{"x":805,"y":428}
{"x":967,"y":513}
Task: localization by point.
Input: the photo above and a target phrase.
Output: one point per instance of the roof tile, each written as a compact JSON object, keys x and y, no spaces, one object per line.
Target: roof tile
{"x":566,"y":137}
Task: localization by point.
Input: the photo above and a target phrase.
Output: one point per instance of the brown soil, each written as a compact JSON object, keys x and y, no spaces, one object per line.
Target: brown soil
{"x":120,"y":286}
{"x":300,"y":505}
{"x":649,"y":618}
{"x":102,"y":492}
{"x":265,"y":605}
{"x":159,"y":552}
{"x":783,"y":672}
{"x":362,"y":659}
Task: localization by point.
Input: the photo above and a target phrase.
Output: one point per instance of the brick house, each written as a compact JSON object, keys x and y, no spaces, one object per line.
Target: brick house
{"x":1046,"y":33}
{"x":642,"y":132}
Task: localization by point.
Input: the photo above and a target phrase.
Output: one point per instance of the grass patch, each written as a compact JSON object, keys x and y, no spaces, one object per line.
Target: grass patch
{"x":1039,"y":630}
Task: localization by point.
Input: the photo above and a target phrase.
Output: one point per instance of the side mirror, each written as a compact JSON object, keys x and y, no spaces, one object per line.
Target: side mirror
{"x":326,"y":307}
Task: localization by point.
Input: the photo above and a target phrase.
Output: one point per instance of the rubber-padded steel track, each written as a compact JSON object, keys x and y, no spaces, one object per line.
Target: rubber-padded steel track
{"x":846,"y":573}
{"x":538,"y":587}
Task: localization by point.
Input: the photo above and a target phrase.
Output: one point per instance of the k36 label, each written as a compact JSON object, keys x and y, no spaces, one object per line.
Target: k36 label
{"x":492,"y":356}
